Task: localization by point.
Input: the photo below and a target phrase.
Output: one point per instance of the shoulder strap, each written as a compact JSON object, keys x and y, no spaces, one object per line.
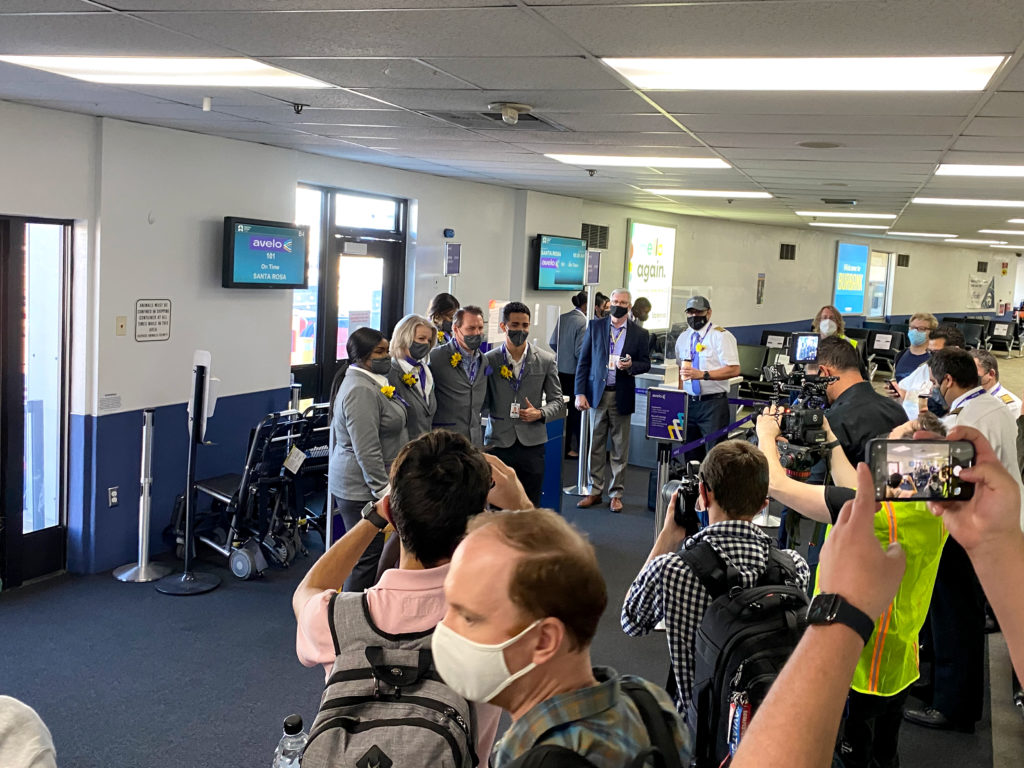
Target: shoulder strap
{"x":665,"y":752}
{"x":715,"y":574}
{"x":550,"y":756}
{"x":781,"y":568}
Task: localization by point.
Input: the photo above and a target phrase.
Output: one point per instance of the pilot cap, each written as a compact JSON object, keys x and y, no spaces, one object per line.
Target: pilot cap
{"x":699,"y":303}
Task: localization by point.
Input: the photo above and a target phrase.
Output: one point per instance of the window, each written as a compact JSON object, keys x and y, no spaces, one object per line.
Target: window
{"x":363,"y":212}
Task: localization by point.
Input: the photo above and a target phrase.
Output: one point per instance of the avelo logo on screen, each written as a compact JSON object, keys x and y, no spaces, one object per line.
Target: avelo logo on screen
{"x":270,"y":243}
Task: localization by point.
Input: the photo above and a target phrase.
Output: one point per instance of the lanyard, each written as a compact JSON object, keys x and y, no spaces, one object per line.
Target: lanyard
{"x":694,"y":341}
{"x":615,"y":338}
{"x":968,"y":399}
{"x":422,"y":375}
{"x":517,"y":381}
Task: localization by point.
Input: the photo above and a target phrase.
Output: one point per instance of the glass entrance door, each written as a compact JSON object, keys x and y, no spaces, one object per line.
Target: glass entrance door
{"x":34,"y":259}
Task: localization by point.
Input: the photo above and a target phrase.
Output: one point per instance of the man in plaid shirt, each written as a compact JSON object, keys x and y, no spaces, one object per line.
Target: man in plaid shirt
{"x":525,"y":595}
{"x":733,"y":488}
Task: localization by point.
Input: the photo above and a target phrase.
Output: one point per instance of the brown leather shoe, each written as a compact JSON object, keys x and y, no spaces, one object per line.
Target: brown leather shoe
{"x":616,"y":504}
{"x":589,"y":501}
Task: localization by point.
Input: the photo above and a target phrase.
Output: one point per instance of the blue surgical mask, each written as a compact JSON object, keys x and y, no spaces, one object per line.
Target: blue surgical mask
{"x":917,"y":338}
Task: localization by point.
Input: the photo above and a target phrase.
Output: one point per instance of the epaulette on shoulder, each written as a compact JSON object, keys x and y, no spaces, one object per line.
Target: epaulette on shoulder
{"x":1006,"y":398}
{"x":719,"y":328}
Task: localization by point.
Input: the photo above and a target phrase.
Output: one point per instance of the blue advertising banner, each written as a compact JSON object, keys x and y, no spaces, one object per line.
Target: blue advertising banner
{"x":665,"y":408}
{"x":851,"y":278}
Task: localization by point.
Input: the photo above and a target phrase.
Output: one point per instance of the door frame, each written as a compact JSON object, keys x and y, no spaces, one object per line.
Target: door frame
{"x":25,"y":556}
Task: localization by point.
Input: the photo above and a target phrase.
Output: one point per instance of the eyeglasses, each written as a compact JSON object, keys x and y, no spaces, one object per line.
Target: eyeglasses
{"x":919,"y":328}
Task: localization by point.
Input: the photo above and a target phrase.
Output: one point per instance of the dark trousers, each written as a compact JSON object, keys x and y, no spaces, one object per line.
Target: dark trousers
{"x":364,"y":575}
{"x":572,"y":420}
{"x":706,"y":417}
{"x":871,"y":730}
{"x":527,"y":461}
{"x":957,"y":620}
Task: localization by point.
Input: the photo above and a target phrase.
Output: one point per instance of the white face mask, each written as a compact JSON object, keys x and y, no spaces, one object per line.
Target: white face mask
{"x":827,"y":327}
{"x":475,"y":671}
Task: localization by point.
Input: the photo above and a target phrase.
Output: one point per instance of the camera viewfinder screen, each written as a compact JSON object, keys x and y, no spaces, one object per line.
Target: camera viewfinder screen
{"x":805,"y":347}
{"x":917,"y":470}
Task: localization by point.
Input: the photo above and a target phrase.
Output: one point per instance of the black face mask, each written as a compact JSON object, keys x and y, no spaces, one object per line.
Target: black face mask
{"x":517,"y":338}
{"x":618,"y":311}
{"x":418,"y":350}
{"x":380,"y":365}
{"x":446,"y":326}
{"x":472,"y":342}
{"x":696,"y":321}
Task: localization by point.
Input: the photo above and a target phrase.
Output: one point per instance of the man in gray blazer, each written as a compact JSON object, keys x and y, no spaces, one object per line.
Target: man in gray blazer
{"x":460,"y":376}
{"x":521,"y":378}
{"x":566,"y":341}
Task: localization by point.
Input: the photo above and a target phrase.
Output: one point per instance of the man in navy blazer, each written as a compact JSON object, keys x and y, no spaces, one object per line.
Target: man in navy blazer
{"x":615,"y":350}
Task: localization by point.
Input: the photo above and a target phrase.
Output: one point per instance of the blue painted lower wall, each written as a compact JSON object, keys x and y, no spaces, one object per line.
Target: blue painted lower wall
{"x":106,"y":451}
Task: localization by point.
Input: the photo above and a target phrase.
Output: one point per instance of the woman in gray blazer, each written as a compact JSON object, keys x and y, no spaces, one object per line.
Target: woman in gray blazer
{"x":410,"y":375}
{"x":368,"y":429}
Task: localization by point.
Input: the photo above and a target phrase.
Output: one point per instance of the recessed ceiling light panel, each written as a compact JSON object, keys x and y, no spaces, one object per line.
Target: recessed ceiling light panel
{"x":851,"y":225}
{"x":954,"y":169}
{"x":726,"y":193}
{"x":919,"y":234}
{"x":1001,"y":231}
{"x":1009,"y":247}
{"x":234,"y":72}
{"x":897,"y":73}
{"x":981,"y":203}
{"x":847,"y":215}
{"x":975,"y":242}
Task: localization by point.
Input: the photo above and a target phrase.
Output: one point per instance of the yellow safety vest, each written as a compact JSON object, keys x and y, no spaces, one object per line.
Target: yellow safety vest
{"x":852,"y":342}
{"x":889,"y":662}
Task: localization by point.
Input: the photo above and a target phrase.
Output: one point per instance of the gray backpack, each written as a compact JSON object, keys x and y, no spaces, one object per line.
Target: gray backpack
{"x":384,"y":703}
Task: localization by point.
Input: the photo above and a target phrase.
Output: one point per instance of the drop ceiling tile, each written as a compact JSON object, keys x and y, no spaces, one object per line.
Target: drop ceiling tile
{"x":1010,"y":144}
{"x":616,"y":102}
{"x":806,"y":125}
{"x":221,"y":97}
{"x":986,"y":158}
{"x":369,"y":73}
{"x":606,"y":123}
{"x":574,"y":73}
{"x":996,"y":126}
{"x":785,"y":140}
{"x":795,"y":103}
{"x":96,"y":34}
{"x":296,"y":5}
{"x":47,"y":6}
{"x":1004,"y":104}
{"x":607,"y":141}
{"x":472,"y":32}
{"x":329,"y":98}
{"x":837,"y":28}
{"x":851,"y":156}
{"x":1015,"y":79}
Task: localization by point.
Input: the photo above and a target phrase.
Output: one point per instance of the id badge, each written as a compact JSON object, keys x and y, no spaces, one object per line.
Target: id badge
{"x":613,"y":361}
{"x":514,"y":411}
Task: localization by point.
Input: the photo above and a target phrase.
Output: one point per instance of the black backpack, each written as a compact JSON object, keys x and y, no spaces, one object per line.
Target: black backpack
{"x":744,"y":640}
{"x":663,"y":752}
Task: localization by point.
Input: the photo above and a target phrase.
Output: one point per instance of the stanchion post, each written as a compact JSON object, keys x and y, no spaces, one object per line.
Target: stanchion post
{"x":582,"y":487}
{"x":664,"y":466}
{"x":144,"y":570}
{"x":189,"y":583}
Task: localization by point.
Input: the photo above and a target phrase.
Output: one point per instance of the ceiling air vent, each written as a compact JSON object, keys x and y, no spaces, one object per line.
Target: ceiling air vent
{"x":838,"y":201}
{"x":489,"y":121}
{"x":982,"y":266}
{"x":596,"y":235}
{"x":902,"y":259}
{"x":787,"y":251}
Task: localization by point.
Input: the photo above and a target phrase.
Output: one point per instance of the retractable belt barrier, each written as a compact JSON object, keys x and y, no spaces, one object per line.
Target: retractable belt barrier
{"x":682,"y":449}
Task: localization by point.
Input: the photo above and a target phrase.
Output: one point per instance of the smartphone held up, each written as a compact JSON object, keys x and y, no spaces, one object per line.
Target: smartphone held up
{"x":920,"y":470}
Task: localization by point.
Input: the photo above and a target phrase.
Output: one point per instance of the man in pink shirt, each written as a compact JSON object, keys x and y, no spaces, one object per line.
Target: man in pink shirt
{"x":438,"y":481}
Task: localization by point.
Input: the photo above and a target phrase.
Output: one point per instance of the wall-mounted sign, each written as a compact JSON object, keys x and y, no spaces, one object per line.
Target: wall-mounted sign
{"x":152,"y":319}
{"x":851,"y":278}
{"x":593,"y":267}
{"x":650,"y":260}
{"x":452,"y":259}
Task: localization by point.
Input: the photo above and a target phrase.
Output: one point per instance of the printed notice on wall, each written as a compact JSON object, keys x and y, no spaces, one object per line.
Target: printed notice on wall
{"x":152,"y":319}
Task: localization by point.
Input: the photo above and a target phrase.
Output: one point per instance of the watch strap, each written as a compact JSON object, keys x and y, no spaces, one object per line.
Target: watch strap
{"x":841,"y":612}
{"x":370,"y":513}
{"x":707,"y":375}
{"x":833,"y":444}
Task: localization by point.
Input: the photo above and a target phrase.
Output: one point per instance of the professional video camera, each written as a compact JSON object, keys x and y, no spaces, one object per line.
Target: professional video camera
{"x":803,"y":422}
{"x":685,"y":510}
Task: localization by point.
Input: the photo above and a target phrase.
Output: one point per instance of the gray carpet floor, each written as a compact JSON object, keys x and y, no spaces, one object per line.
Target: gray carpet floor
{"x":128,"y":678}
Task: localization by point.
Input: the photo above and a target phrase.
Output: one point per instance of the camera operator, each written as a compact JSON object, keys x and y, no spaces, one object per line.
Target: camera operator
{"x":888,"y":665}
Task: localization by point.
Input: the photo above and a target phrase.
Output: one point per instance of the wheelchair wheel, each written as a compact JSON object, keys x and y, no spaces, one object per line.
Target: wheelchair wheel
{"x":279,"y":550}
{"x":242,"y":563}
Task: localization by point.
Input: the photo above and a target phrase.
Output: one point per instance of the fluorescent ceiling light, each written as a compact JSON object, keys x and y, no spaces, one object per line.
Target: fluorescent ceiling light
{"x":968,"y":201}
{"x":1001,"y":231}
{"x":1015,"y":221}
{"x":919,"y":234}
{"x":844,"y":215}
{"x":626,"y":161}
{"x":709,"y":193}
{"x":847,"y":226}
{"x":157,"y":70}
{"x":953,"y":169}
{"x":898,"y":73}
{"x":1011,"y":247}
{"x":975,"y":242}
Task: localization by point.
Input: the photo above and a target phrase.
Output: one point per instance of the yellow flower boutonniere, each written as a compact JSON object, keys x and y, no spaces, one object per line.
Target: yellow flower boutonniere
{"x":409,"y":379}
{"x":440,"y":337}
{"x":701,"y":347}
{"x":455,"y":359}
{"x":506,"y":372}
{"x":388,"y":392}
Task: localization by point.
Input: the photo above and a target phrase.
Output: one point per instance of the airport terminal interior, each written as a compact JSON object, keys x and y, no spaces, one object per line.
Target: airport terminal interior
{"x":202,"y":201}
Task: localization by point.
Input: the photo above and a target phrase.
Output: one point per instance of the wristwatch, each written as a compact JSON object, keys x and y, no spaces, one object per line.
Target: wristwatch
{"x":370,"y":513}
{"x":707,"y":375}
{"x":834,"y":444}
{"x":830,"y":608}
